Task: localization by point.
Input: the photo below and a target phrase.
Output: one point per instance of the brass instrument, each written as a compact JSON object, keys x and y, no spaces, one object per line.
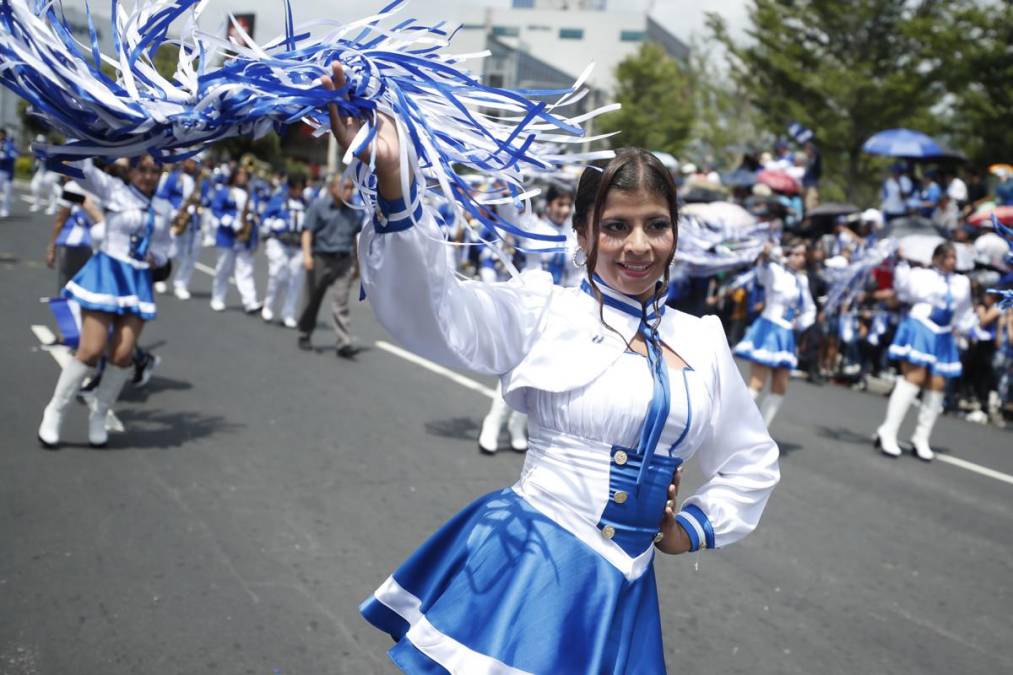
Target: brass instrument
{"x":183,"y":217}
{"x":246,"y":231}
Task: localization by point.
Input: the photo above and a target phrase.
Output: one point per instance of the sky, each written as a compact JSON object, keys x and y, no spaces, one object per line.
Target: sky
{"x":683,"y":18}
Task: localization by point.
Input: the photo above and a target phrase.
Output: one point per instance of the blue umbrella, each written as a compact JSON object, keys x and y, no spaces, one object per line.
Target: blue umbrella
{"x":905,"y":143}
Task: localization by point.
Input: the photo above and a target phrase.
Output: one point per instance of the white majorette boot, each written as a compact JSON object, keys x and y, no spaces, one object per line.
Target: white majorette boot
{"x":518,"y":427}
{"x":932,"y":405}
{"x":769,"y":407}
{"x":488,"y":439}
{"x":71,"y":377}
{"x":903,"y":395}
{"x":106,"y":394}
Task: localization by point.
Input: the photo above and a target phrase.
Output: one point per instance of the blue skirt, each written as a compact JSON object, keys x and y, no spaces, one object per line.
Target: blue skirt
{"x":502,"y":586}
{"x":106,"y":284}
{"x":917,"y":344}
{"x":768,"y":344}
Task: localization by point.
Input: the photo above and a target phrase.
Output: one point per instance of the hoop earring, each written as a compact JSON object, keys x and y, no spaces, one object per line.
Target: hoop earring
{"x":580,"y":257}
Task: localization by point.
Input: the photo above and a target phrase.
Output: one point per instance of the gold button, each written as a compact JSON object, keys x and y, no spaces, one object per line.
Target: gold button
{"x":670,"y":504}
{"x":621,"y":497}
{"x":621,"y":457}
{"x":608,"y":531}
{"x":658,"y":537}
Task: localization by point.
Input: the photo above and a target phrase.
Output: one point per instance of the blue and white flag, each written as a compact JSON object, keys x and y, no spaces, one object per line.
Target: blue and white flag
{"x":68,"y":320}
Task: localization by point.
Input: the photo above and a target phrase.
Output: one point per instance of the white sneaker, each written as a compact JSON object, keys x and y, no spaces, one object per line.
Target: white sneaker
{"x":161,"y":287}
{"x":977,"y":416}
{"x":50,"y":211}
{"x":181,"y":292}
{"x":266,"y":314}
{"x":217,"y":306}
{"x":291,"y":323}
{"x":33,"y":208}
{"x":5,"y":213}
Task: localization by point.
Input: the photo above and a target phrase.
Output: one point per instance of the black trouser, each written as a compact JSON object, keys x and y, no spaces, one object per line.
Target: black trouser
{"x":978,"y":370}
{"x":328,"y":269}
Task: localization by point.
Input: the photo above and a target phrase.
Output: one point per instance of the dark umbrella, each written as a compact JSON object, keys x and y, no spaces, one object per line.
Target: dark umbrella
{"x":832,"y":210}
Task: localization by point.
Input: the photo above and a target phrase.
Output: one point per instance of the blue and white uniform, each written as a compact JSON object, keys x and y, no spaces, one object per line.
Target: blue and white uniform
{"x":8,"y":153}
{"x":789,"y":306}
{"x":74,"y":240}
{"x":555,"y":574}
{"x":117,"y":278}
{"x":940,"y":303}
{"x":283,"y":220}
{"x":559,"y":264}
{"x":227,"y":208}
{"x":76,"y":229}
{"x":176,"y":187}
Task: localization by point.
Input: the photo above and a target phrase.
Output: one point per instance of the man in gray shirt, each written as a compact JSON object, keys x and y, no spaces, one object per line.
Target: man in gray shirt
{"x":328,"y":247}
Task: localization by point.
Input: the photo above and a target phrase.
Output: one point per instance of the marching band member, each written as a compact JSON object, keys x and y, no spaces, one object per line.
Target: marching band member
{"x":236,"y":239}
{"x":70,"y":241}
{"x":114,"y":291}
{"x":926,"y":346}
{"x":769,"y":342}
{"x":283,"y":225}
{"x":45,"y":186}
{"x":8,"y":153}
{"x":186,"y":188}
{"x":558,"y":570}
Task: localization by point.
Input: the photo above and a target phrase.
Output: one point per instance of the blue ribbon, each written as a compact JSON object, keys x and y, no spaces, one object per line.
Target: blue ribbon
{"x":660,"y":405}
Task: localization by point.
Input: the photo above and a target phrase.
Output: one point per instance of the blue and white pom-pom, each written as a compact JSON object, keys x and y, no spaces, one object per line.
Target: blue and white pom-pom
{"x":443,"y":114}
{"x":1005,"y":294}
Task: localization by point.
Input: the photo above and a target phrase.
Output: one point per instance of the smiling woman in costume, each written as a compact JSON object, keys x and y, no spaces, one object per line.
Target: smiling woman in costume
{"x":555,"y":574}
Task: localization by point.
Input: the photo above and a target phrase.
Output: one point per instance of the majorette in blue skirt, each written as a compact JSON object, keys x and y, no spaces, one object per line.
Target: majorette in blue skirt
{"x":770,"y":340}
{"x":922,"y":343}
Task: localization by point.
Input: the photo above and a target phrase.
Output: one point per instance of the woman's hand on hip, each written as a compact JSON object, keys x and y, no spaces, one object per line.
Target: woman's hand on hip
{"x":674,"y":539}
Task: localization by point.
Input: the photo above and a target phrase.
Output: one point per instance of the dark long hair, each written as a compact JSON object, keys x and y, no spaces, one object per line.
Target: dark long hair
{"x":631,"y":170}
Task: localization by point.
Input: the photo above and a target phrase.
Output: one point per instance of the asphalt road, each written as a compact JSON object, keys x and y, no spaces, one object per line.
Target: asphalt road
{"x":260,"y":493}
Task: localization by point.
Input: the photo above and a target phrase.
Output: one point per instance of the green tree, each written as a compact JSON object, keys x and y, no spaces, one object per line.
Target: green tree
{"x":655,"y":92}
{"x":972,"y":48}
{"x":726,"y":123}
{"x":844,"y":69}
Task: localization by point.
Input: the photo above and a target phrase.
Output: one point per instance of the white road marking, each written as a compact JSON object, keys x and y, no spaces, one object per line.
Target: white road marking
{"x":61,"y":354}
{"x":210,"y":271}
{"x":976,"y":468}
{"x":438,"y":369}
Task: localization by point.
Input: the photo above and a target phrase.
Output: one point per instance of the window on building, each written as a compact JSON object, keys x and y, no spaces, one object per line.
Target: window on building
{"x":495,"y":80}
{"x":632,"y":36}
{"x":571,"y":33}
{"x":524,"y":4}
{"x":506,"y":31}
